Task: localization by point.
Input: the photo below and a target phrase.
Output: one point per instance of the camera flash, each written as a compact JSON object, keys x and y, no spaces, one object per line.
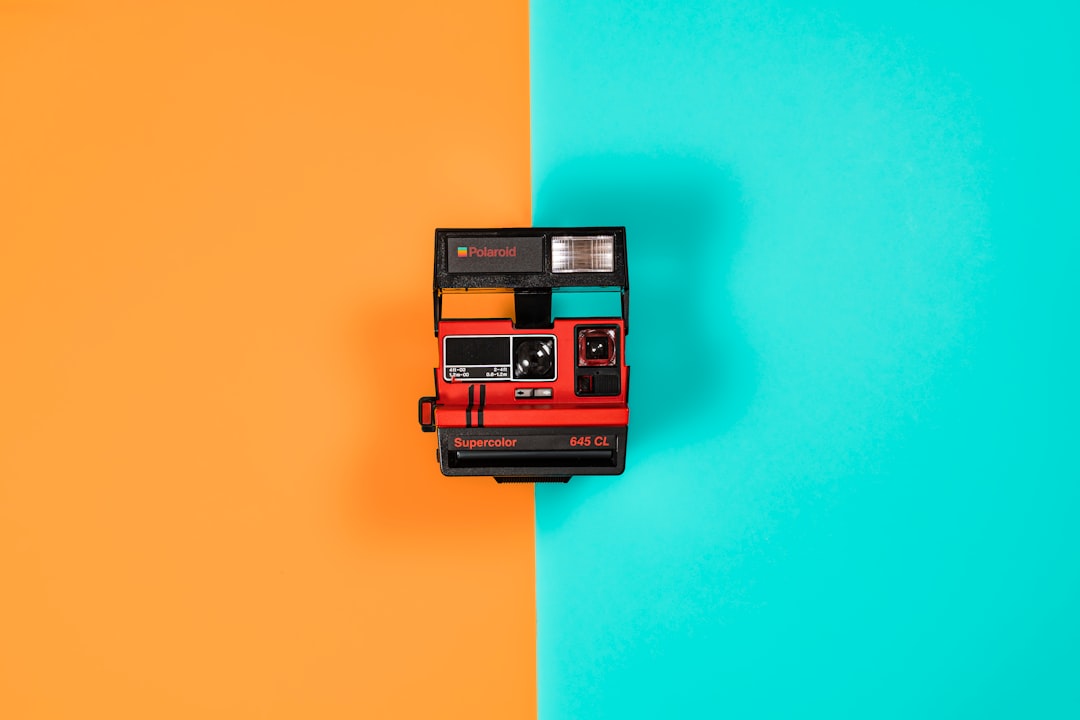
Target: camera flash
{"x":582,"y":253}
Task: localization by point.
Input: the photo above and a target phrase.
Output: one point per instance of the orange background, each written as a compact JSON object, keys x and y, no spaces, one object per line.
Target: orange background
{"x":216,"y":224}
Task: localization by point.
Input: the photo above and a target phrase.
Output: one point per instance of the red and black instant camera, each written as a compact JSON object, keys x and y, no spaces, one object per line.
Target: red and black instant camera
{"x":530,"y":398}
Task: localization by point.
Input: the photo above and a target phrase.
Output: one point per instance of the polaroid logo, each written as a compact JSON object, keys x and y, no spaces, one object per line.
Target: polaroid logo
{"x":472,"y":251}
{"x":495,"y":255}
{"x":473,"y":443}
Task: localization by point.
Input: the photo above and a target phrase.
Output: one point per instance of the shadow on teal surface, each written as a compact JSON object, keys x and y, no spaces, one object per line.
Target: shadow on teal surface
{"x":684,"y":221}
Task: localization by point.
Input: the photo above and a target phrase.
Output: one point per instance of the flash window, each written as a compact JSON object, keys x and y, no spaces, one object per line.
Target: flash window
{"x":582,"y":253}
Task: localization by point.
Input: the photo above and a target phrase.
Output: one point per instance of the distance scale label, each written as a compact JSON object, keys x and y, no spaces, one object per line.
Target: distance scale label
{"x":493,"y":358}
{"x":477,"y":372}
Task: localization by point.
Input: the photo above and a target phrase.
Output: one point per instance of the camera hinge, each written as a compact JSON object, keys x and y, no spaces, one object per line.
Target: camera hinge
{"x":532,"y":308}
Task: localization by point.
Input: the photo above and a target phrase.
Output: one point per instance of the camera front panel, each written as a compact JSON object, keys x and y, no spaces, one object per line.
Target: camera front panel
{"x":493,"y":375}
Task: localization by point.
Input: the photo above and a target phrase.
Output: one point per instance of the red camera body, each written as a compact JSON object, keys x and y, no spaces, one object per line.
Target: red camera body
{"x":530,"y":398}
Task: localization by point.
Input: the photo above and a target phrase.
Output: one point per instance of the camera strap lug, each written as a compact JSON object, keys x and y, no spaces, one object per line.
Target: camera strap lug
{"x":429,"y":424}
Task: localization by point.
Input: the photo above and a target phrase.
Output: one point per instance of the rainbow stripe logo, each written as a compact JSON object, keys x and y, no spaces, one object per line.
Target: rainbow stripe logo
{"x":462,"y":251}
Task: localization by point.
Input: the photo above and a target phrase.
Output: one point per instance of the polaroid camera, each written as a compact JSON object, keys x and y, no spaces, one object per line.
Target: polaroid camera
{"x":530,"y":398}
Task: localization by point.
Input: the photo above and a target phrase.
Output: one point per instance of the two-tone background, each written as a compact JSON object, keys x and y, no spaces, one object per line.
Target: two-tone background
{"x":852,"y":486}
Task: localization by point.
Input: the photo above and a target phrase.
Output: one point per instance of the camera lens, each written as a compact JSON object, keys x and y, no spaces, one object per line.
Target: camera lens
{"x":534,"y":359}
{"x":597,"y":348}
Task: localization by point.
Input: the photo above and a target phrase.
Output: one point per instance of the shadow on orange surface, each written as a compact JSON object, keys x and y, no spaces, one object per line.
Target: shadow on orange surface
{"x":399,"y":490}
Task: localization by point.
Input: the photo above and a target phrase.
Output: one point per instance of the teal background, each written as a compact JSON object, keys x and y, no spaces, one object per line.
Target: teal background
{"x":852,"y":479}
